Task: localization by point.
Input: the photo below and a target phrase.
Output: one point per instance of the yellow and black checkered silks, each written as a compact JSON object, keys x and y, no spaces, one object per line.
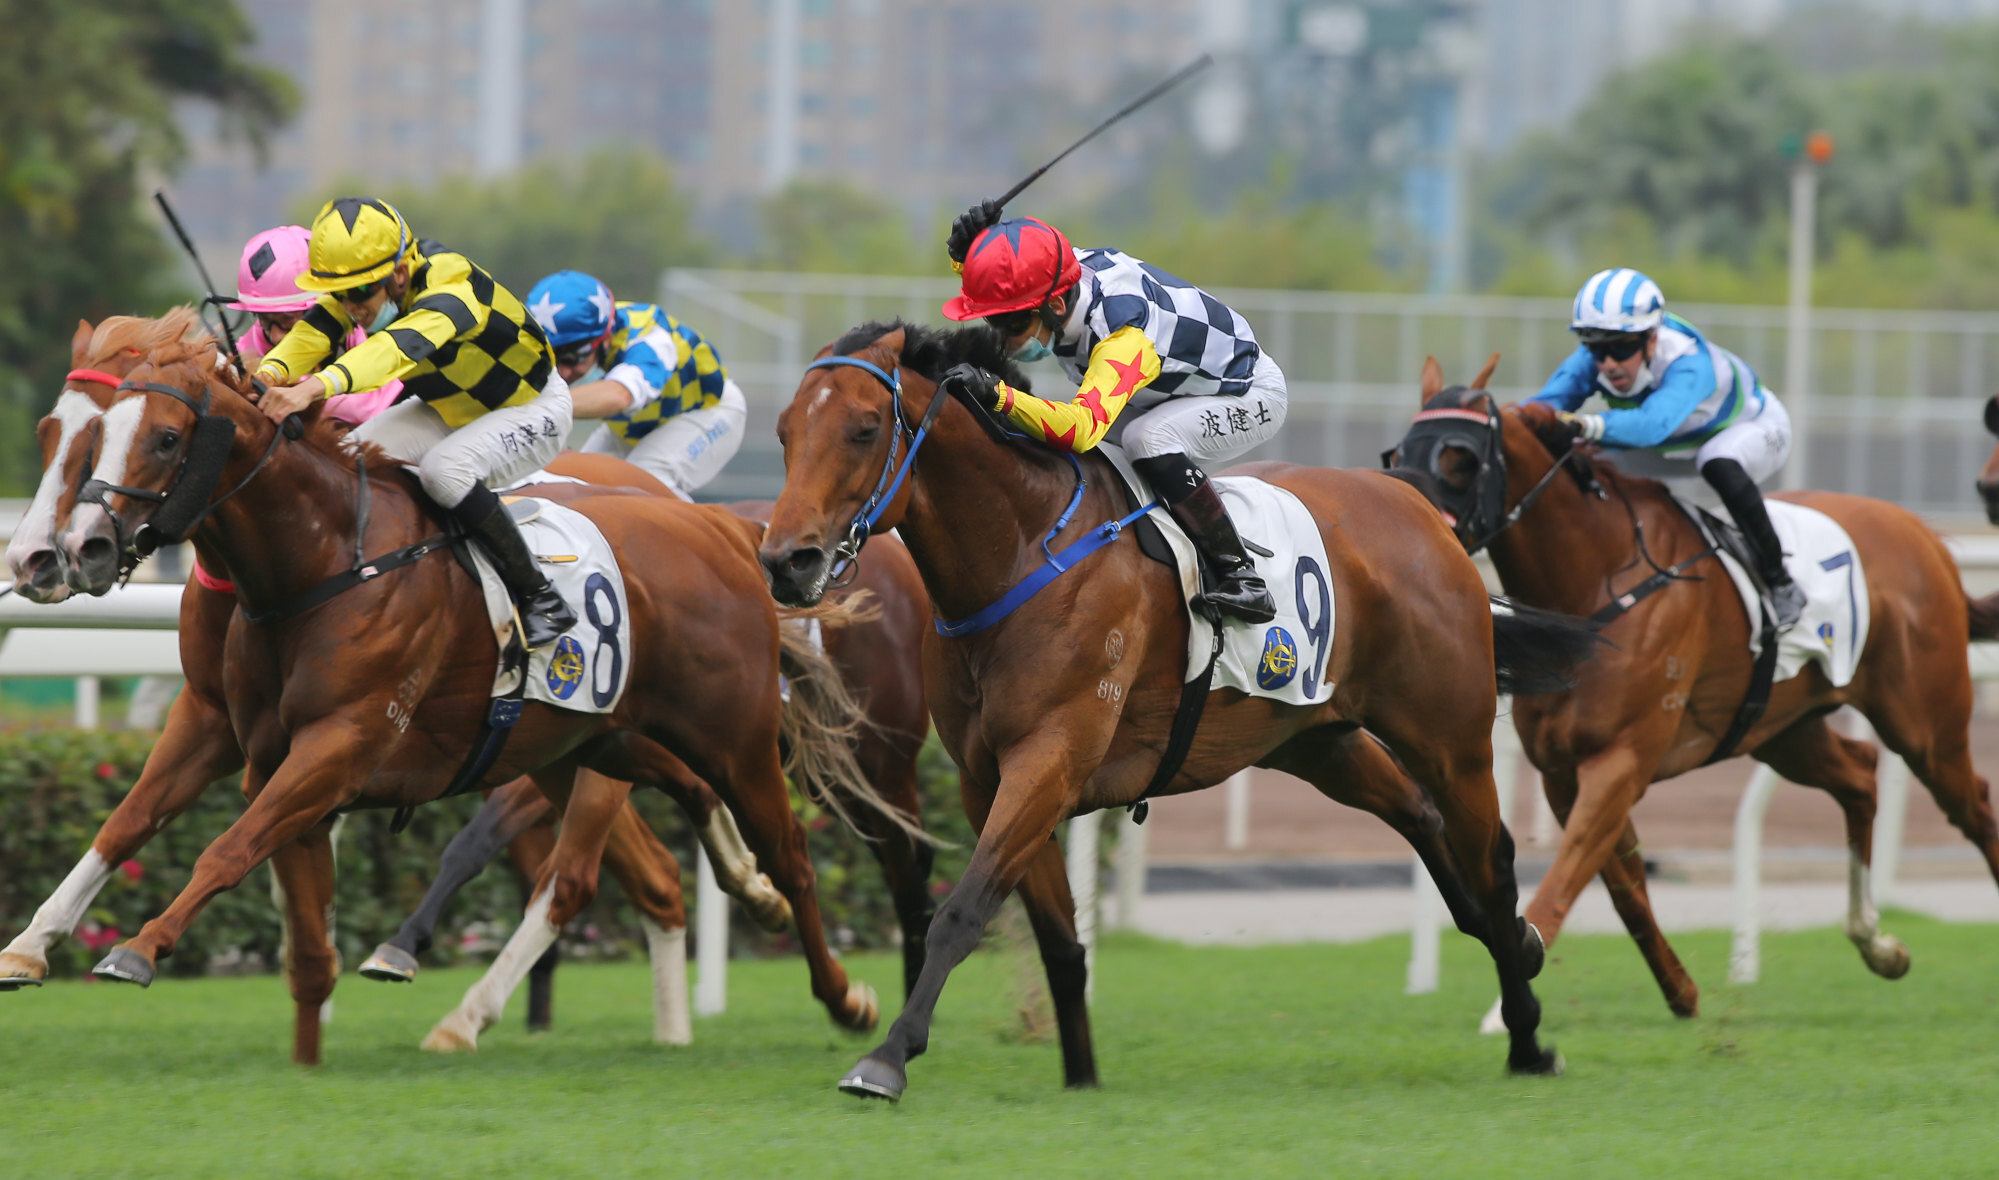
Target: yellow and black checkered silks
{"x":464,"y":343}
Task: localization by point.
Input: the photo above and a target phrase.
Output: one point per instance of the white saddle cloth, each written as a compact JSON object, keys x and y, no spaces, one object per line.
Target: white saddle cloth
{"x":1285,"y":659}
{"x":1824,"y":563}
{"x":587,"y":668}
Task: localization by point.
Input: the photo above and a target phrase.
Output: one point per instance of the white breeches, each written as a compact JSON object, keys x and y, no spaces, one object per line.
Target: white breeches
{"x":499,"y":447}
{"x":1760,"y":444}
{"x":687,"y":450}
{"x":1211,"y":429}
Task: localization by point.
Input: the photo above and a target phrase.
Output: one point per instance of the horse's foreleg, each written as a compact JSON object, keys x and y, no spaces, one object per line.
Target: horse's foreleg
{"x":650,"y":877}
{"x":567,"y":883}
{"x":302,"y":874}
{"x":1052,"y":911}
{"x":1037,"y":780}
{"x":1607,"y":786}
{"x":1624,"y":876}
{"x":507,"y":813}
{"x":196,"y":748}
{"x":325,"y":762}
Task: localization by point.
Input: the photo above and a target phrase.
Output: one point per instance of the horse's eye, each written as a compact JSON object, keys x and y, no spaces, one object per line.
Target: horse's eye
{"x":169,"y":440}
{"x":866,"y":435}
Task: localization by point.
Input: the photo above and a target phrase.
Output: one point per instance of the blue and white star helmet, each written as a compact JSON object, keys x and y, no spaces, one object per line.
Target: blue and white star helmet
{"x":1618,"y":300}
{"x":572,"y":308}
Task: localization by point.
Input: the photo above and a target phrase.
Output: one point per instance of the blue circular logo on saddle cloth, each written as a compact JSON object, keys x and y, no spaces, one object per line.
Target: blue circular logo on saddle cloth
{"x":565,"y":667}
{"x":1279,"y":662}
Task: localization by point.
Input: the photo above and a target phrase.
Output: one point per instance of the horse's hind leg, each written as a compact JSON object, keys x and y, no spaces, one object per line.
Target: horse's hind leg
{"x":1933,"y":737}
{"x":650,"y":877}
{"x":302,"y":876}
{"x":507,"y":812}
{"x":734,"y":864}
{"x":1811,"y":754}
{"x":591,"y":803}
{"x":527,"y":853}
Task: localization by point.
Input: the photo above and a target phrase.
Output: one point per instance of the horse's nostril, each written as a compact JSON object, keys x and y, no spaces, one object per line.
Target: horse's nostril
{"x":95,"y":550}
{"x":802,"y":560}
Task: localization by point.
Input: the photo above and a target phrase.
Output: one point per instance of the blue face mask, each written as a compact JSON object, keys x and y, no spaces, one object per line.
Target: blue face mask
{"x":1036,"y":349}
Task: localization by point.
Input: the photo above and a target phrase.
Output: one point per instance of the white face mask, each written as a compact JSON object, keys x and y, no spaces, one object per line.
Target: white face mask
{"x":388,"y":314}
{"x":1639,"y":383}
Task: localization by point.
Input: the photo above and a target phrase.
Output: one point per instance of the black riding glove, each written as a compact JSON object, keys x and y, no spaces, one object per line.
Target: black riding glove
{"x":982,"y":387}
{"x":968,"y":226}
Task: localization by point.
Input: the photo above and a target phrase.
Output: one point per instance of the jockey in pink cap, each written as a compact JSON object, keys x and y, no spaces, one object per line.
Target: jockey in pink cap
{"x":267,"y":288}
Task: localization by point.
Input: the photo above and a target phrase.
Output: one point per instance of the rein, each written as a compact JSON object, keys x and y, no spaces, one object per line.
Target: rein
{"x":848,"y":551}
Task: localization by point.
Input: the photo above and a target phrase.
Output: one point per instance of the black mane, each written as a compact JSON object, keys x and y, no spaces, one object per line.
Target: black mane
{"x":931,"y":351}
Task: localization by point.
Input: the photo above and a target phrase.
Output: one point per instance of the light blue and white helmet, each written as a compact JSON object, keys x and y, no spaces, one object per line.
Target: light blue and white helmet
{"x":572,"y":308}
{"x":1620,"y":301}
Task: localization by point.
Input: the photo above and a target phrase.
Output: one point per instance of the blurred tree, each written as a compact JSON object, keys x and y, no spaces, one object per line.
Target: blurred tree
{"x":616,"y":215}
{"x":87,"y":89}
{"x":826,"y":225}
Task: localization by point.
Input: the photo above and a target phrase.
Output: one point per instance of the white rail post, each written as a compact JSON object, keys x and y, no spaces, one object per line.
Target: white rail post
{"x":1082,"y":857}
{"x":88,"y":689}
{"x":1130,"y":872}
{"x":1425,"y":934}
{"x":711,"y":929}
{"x":1744,"y":960}
{"x":1235,"y":828}
{"x":1891,"y":813}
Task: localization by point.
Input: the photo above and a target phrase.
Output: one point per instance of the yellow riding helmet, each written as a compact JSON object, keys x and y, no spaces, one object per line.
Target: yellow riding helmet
{"x":355,"y":240}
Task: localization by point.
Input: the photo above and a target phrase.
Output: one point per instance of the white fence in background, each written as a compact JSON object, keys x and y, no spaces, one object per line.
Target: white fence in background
{"x":1894,"y":408}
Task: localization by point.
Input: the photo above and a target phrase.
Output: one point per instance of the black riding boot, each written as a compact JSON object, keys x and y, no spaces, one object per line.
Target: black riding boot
{"x":1198,"y":507}
{"x":1745,"y":503}
{"x":544,"y":616}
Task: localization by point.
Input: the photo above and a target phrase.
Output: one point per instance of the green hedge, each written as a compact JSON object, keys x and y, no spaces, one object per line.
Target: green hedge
{"x":57,"y":787}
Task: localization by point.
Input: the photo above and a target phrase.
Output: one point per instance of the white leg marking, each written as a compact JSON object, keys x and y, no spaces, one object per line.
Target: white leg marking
{"x":37,"y":530}
{"x":736,"y":871}
{"x":671,"y":1022}
{"x":1884,"y":953}
{"x":486,"y":1000}
{"x":58,"y":915}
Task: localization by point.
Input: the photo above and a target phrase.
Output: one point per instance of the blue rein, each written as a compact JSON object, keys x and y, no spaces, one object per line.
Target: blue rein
{"x":1057,"y":564}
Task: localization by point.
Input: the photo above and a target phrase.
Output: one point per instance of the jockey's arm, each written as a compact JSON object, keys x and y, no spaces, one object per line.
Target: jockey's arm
{"x":634,"y":382}
{"x":1123,"y":364}
{"x":1686,"y":383}
{"x":1571,"y":385}
{"x":307,"y":345}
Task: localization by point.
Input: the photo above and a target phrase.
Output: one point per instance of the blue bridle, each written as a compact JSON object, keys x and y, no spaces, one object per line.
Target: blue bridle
{"x":849,"y":550}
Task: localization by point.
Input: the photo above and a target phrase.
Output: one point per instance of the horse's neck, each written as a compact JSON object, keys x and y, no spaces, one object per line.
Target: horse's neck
{"x":1567,"y":549}
{"x":289,"y":529}
{"x":979,"y":512}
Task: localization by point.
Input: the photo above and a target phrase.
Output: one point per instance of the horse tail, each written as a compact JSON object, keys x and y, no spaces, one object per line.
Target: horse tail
{"x":821,"y":715}
{"x":1538,"y":651}
{"x":1984,"y":616}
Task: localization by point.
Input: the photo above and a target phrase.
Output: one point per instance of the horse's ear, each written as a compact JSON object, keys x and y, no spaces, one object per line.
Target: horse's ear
{"x":1992,"y":414}
{"x":1485,"y":374}
{"x":79,"y":344}
{"x":1433,"y":378}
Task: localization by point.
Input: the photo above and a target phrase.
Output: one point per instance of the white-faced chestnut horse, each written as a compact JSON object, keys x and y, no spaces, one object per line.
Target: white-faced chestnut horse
{"x":1661,"y":700}
{"x":1066,"y":705}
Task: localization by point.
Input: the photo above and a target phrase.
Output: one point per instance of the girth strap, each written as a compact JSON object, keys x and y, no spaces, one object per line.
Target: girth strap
{"x":1757,"y":699}
{"x":1186,"y":720}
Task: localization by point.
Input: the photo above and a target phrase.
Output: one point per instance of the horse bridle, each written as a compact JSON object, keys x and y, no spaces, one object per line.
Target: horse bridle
{"x":848,"y":551}
{"x":185,"y":503}
{"x":1434,"y":430}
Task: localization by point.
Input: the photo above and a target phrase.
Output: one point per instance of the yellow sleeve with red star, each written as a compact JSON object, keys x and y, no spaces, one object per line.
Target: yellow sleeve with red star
{"x":1122,"y":365}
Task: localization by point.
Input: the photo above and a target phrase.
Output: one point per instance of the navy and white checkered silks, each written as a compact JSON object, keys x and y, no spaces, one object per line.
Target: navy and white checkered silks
{"x":1619,"y":300}
{"x":1204,"y":347}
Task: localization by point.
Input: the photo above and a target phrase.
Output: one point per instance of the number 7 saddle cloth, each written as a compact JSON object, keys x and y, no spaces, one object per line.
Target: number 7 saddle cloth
{"x":587,"y":667}
{"x":1284,"y":659}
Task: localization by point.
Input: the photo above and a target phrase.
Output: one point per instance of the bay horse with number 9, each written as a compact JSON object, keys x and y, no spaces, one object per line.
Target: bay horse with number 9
{"x":1022,"y":706}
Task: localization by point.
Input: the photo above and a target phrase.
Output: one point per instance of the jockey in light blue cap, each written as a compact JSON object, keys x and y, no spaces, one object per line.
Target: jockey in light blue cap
{"x":1669,"y":390}
{"x":665,"y":399}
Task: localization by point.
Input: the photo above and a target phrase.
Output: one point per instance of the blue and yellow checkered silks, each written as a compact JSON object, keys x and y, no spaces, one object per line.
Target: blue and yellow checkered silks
{"x":691,"y":380}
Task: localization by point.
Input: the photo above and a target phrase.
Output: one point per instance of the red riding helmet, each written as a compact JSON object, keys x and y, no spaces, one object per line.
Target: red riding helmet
{"x":1013,"y":266}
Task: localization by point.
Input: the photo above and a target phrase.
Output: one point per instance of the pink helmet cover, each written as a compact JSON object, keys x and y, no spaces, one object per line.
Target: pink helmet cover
{"x":267,"y":276}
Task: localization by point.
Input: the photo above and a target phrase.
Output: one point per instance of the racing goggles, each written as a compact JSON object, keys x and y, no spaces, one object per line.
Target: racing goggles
{"x":360,"y":294}
{"x":581,"y":353}
{"x":1621,"y":347}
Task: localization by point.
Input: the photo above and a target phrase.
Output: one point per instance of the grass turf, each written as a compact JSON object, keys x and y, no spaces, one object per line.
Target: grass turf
{"x":1275,"y":1061}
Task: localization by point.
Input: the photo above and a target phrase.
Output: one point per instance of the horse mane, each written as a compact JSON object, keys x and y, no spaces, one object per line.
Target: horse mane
{"x":931,"y":351}
{"x":176,"y":336}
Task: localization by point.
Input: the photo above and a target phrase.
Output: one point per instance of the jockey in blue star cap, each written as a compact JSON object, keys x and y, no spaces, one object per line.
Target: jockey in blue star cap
{"x":665,"y":399}
{"x":1671,"y":391}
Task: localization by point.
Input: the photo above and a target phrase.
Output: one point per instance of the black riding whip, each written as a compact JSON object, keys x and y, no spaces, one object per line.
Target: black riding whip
{"x":1178,"y":76}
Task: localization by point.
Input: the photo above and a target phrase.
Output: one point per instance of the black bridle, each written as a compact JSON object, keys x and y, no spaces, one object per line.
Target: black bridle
{"x":185,"y":502}
{"x":1484,"y":515}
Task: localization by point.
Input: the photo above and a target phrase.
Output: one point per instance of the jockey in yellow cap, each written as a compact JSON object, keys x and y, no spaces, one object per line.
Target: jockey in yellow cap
{"x":482,"y":401}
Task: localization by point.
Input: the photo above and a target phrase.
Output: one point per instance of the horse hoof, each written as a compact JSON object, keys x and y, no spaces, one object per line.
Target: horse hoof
{"x":1533,"y":948}
{"x":19,"y":971}
{"x":125,"y":965}
{"x":452,"y":1035}
{"x":769,"y":907}
{"x":390,"y":964}
{"x":1547,"y":1063}
{"x":871,"y":1078}
{"x":1887,"y":957}
{"x":865,"y":1007}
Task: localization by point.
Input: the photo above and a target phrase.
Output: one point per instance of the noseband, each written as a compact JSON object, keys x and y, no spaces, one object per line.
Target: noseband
{"x":185,"y":503}
{"x":848,"y":551}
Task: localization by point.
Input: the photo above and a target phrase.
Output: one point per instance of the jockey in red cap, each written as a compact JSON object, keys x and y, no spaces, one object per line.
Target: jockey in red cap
{"x":1164,"y":369}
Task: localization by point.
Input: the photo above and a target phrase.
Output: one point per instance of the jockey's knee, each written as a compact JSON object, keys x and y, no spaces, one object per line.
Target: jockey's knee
{"x":447,"y":479}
